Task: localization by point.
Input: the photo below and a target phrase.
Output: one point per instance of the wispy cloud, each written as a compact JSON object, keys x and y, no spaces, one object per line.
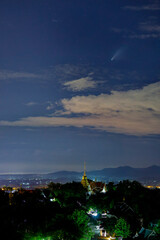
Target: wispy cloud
{"x":50,"y":105}
{"x":54,"y":20}
{"x":80,"y":84}
{"x":149,"y":27}
{"x":134,"y":112}
{"x":145,"y":35}
{"x":66,"y":71}
{"x":31,"y":104}
{"x":6,"y":75}
{"x":142,"y":32}
{"x":147,"y":30}
{"x":151,"y":7}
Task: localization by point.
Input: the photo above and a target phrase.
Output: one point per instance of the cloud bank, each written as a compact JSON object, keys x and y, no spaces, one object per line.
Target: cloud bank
{"x":135,"y":112}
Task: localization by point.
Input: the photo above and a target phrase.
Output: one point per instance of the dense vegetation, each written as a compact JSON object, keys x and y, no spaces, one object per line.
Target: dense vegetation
{"x":60,"y":211}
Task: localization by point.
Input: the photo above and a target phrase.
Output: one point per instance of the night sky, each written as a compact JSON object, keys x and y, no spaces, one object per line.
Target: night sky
{"x":79,"y":81}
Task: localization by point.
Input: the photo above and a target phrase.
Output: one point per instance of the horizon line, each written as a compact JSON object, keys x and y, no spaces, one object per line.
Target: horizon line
{"x":30,"y":173}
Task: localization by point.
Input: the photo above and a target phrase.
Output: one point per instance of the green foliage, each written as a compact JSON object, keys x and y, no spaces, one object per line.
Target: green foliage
{"x":36,"y":237}
{"x":61,"y":234}
{"x":111,"y":204}
{"x":122,"y":229}
{"x":54,"y":187}
{"x":68,"y":194}
{"x":81,"y":220}
{"x":109,"y":225}
{"x":157,"y":227}
{"x":61,"y":225}
{"x":111,"y":186}
{"x":138,"y":198}
{"x":98,"y":202}
{"x":33,"y":214}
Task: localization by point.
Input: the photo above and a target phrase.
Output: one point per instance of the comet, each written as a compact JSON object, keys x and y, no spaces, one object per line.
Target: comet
{"x":118,"y":54}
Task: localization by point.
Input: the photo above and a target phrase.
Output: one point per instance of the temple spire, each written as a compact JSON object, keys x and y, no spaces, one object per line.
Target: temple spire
{"x":84,"y":168}
{"x":84,"y":180}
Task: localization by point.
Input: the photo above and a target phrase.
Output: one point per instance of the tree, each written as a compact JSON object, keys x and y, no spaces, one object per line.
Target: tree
{"x":98,"y":201}
{"x":122,"y":229}
{"x":109,"y":225}
{"x":157,"y":228}
{"x":68,"y":194}
{"x":81,"y":221}
{"x":61,"y":234}
{"x":37,"y":236}
{"x":111,"y":186}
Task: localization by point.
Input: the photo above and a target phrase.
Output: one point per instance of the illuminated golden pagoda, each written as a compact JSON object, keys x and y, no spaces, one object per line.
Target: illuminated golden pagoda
{"x":92,"y":186}
{"x":84,"y":180}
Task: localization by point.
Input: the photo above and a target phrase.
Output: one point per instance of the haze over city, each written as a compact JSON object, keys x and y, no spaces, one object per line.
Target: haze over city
{"x":79,"y":81}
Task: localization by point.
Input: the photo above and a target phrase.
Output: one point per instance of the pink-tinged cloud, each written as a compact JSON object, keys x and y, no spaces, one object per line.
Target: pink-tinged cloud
{"x":135,"y":112}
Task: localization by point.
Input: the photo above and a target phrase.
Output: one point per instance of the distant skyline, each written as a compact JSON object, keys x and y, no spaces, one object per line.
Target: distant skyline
{"x":79,"y":81}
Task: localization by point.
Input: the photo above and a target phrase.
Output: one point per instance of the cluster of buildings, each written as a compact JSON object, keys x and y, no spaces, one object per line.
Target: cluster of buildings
{"x":92,"y":186}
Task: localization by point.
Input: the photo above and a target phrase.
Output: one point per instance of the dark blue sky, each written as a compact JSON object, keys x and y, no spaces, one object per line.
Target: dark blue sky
{"x":79,"y":81}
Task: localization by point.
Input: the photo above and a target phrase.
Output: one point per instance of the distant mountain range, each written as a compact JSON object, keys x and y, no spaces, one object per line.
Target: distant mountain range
{"x":125,"y":172}
{"x":106,"y":174}
{"x":129,"y":172}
